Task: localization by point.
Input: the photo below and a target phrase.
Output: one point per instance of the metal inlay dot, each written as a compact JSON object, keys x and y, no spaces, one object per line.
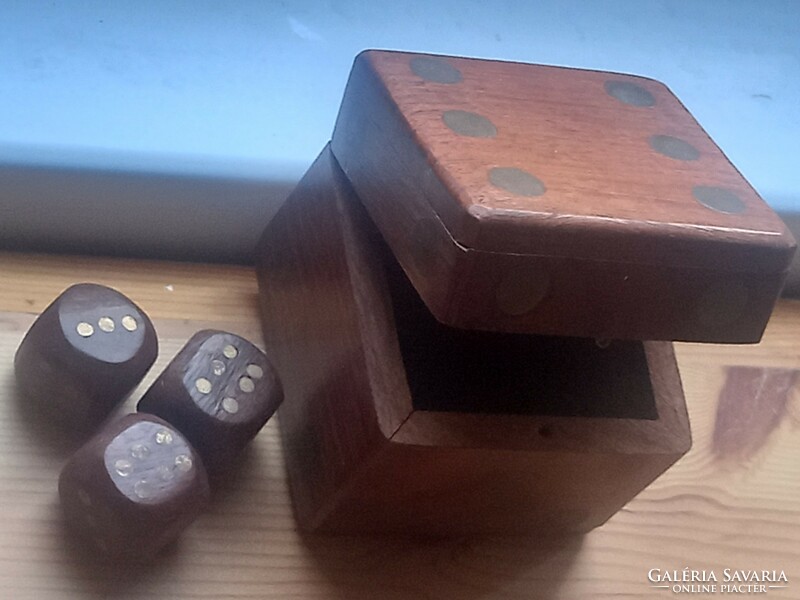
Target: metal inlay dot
{"x":106,"y":324}
{"x":230,"y":351}
{"x":629,"y":93}
{"x":142,"y":489}
{"x":140,"y":451}
{"x":521,"y":290}
{"x":164,"y":473}
{"x":129,"y":323}
{"x":230,"y":405}
{"x":255,"y":371}
{"x":123,"y":467}
{"x":469,"y":124}
{"x":217,"y":367}
{"x":516,"y":181}
{"x":163,"y":437}
{"x":183,"y":463}
{"x":203,"y":385}
{"x":674,"y":147}
{"x":246,"y":384}
{"x":719,"y":199}
{"x":437,"y":70}
{"x":84,"y":329}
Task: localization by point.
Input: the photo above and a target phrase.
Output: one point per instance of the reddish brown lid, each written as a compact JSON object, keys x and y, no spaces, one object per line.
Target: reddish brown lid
{"x":552,"y":200}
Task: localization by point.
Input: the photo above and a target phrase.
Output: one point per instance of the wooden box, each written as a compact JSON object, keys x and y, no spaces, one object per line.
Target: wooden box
{"x":394,"y":422}
{"x":528,"y":198}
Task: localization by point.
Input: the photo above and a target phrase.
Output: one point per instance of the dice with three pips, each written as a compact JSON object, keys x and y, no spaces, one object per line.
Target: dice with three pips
{"x":84,"y":354}
{"x":139,"y":482}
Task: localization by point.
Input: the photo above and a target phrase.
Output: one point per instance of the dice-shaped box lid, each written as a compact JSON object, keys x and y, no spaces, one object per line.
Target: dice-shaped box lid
{"x":540,"y":199}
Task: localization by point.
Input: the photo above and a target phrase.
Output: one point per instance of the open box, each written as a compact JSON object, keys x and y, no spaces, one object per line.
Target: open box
{"x":394,"y":422}
{"x":464,"y":209}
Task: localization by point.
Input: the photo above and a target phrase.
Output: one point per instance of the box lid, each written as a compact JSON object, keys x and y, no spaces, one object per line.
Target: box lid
{"x":569,"y":172}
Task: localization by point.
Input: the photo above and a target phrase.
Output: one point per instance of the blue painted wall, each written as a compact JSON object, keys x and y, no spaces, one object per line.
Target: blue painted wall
{"x":250,"y":89}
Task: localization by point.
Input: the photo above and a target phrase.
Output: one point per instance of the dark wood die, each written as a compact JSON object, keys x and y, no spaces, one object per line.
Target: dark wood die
{"x":84,"y":354}
{"x":133,"y":488}
{"x":219,"y":390}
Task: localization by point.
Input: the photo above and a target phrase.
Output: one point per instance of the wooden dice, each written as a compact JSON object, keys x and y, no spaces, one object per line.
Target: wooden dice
{"x":396,"y":423}
{"x":84,"y":354}
{"x":133,"y":488}
{"x":537,"y":199}
{"x":219,"y":391}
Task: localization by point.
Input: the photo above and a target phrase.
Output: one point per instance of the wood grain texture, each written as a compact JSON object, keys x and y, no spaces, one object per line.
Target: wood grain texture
{"x":80,"y":378}
{"x":703,"y":513}
{"x":543,"y":466}
{"x":616,"y":215}
{"x":127,"y":495}
{"x":181,"y":291}
{"x":752,"y":404}
{"x":326,"y":353}
{"x":221,"y":420}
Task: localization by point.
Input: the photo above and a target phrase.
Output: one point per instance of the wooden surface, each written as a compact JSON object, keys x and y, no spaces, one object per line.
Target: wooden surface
{"x":591,"y":151}
{"x":134,"y":514}
{"x":82,"y":378}
{"x":339,"y":368}
{"x":730,"y":503}
{"x":616,"y":246}
{"x":221,"y":421}
{"x":396,"y":423}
